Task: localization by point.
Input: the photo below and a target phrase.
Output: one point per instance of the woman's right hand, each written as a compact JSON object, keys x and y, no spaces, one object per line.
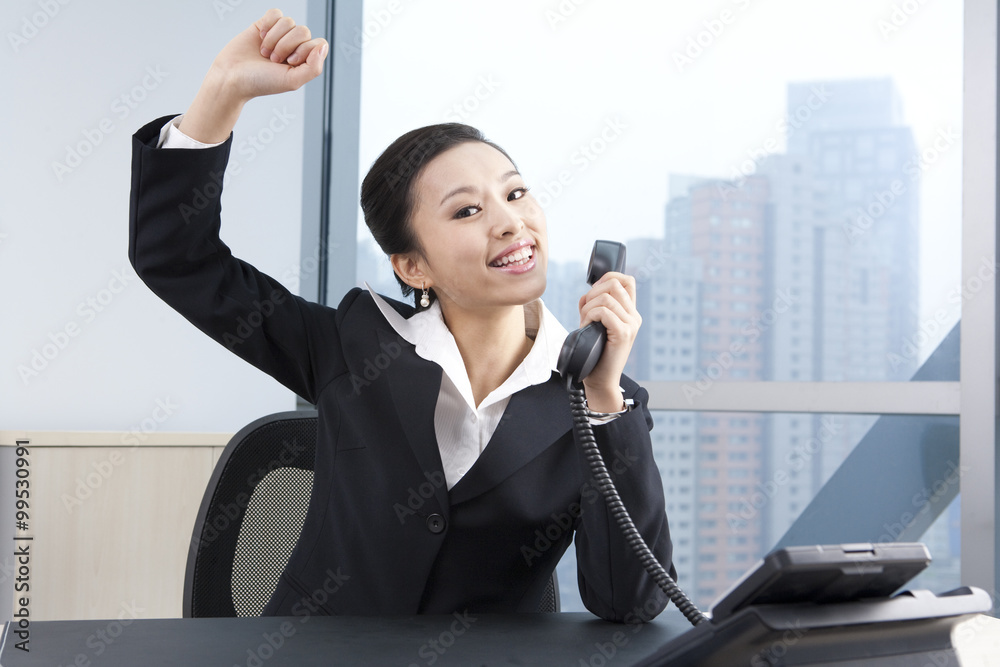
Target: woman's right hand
{"x":273,"y":55}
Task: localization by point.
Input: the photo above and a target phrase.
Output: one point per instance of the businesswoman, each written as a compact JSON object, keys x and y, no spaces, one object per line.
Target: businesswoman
{"x":449,"y":481}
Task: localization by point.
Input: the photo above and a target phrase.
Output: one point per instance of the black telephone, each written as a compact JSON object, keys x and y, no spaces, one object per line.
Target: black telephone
{"x":583,"y":347}
{"x":580,"y":353}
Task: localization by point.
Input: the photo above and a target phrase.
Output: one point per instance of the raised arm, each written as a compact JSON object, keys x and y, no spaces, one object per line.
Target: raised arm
{"x":273,"y":55}
{"x":175,"y":209}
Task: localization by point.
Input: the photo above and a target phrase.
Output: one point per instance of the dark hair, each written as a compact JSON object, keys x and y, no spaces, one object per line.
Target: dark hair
{"x":387,"y":192}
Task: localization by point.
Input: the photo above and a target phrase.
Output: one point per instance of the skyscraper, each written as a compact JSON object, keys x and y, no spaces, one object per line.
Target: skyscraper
{"x":724,"y":227}
{"x":666,"y":349}
{"x":809,"y":273}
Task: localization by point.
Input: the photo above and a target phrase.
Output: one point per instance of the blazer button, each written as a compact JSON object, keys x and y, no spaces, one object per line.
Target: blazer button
{"x":435,"y":523}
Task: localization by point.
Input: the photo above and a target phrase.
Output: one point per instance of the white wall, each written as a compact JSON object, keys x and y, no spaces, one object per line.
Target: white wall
{"x":86,"y":79}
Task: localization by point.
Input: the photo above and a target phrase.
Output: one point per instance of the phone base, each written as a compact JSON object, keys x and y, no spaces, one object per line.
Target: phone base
{"x":913,"y":628}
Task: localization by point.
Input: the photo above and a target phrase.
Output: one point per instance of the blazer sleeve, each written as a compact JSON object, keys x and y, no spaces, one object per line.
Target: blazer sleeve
{"x":613,"y":583}
{"x":174,"y":246}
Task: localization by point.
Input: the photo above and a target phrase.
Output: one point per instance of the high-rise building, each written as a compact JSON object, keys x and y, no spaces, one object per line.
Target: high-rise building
{"x":862,"y":172}
{"x":724,"y":227}
{"x":567,"y":282}
{"x":793,"y":334}
{"x":809,"y":273}
{"x":666,"y":349}
{"x":865,"y":172}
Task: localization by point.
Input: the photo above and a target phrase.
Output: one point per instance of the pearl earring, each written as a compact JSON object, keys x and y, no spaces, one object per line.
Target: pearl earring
{"x":425,"y":299}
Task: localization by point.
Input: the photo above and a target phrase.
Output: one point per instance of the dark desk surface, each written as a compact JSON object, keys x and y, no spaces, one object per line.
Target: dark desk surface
{"x":521,"y":639}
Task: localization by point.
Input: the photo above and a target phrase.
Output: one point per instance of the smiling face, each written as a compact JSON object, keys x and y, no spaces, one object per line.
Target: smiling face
{"x":483,"y":235}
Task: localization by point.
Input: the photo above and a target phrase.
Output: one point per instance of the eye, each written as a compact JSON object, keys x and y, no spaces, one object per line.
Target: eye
{"x":468,"y":211}
{"x":517,"y":193}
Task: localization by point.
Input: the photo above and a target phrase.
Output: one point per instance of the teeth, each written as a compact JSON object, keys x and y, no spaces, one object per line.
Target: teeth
{"x":518,"y":258}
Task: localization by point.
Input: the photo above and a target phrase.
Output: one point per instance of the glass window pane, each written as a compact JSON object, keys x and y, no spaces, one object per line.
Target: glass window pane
{"x":749,"y":477}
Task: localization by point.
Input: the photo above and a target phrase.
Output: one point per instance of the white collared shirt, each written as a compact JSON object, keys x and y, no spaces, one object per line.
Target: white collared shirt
{"x":463,"y":429}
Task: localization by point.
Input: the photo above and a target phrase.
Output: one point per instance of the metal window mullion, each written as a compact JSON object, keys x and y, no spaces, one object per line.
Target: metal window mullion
{"x":332,"y":117}
{"x":877,"y":398}
{"x":330,"y":156}
{"x":977,"y":421}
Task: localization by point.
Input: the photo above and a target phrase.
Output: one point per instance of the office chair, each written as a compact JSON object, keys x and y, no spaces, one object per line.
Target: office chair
{"x":251,"y":517}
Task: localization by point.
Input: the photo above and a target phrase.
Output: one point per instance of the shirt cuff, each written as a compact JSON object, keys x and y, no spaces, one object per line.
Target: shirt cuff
{"x":610,"y":417}
{"x":597,"y":418}
{"x":172,"y":137}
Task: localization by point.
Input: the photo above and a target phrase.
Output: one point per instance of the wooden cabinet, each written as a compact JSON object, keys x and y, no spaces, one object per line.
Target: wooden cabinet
{"x":110,"y":520}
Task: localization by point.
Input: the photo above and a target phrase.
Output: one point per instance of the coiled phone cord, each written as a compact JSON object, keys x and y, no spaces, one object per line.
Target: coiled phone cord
{"x":585,"y":437}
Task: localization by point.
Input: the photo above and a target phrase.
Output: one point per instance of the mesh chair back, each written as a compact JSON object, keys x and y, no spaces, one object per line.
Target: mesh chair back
{"x":550,"y":596}
{"x":251,"y":516}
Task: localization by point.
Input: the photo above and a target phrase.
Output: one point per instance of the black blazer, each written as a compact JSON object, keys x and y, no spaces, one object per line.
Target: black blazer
{"x":383,"y":534}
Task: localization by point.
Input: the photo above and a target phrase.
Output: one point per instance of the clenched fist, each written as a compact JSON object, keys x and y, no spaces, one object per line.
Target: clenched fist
{"x":273,"y":55}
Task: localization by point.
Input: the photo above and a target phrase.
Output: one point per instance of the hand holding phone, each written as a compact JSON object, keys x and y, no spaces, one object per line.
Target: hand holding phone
{"x":612,"y":302}
{"x":583,"y":347}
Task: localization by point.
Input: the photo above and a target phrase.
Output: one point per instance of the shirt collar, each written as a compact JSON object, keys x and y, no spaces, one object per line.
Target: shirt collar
{"x":428,"y":333}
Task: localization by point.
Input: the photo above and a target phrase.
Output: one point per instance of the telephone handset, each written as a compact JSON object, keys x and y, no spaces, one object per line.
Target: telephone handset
{"x":583,"y":347}
{"x":580,"y":353}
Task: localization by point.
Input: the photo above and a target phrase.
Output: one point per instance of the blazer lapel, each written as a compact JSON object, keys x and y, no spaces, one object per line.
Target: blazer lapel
{"x":415,"y":384}
{"x":534,"y":419}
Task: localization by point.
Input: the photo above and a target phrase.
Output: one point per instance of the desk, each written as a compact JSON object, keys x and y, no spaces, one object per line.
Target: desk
{"x":545,"y":640}
{"x":548,"y":640}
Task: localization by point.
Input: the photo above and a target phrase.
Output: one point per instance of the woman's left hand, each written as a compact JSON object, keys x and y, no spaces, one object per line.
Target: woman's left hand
{"x":610,"y":301}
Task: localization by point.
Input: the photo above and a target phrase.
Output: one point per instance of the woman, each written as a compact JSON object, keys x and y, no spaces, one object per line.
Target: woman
{"x":448,"y":480}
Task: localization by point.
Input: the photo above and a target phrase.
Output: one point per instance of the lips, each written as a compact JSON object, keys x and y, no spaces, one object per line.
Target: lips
{"x":517,"y":254}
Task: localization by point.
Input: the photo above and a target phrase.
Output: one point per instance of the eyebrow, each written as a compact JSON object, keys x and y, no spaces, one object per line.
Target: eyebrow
{"x":469,"y":189}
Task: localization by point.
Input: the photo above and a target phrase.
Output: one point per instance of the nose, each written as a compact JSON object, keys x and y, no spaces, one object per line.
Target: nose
{"x":508,"y":221}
